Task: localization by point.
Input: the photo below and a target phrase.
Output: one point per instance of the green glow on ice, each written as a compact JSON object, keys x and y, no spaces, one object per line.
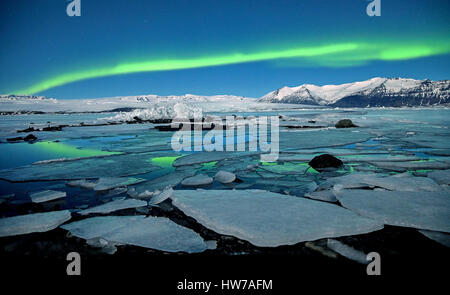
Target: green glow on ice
{"x":209,"y":165}
{"x":164,"y":162}
{"x":66,"y":150}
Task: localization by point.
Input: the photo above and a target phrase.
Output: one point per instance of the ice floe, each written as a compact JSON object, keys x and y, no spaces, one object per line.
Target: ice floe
{"x":36,"y":222}
{"x":164,"y":195}
{"x":150,"y":232}
{"x":393,"y":183}
{"x":440,"y":176}
{"x":268,"y":219}
{"x":112,"y":166}
{"x":107,"y":183}
{"x":47,"y":195}
{"x":118,"y":204}
{"x":321,"y":138}
{"x":347,"y":251}
{"x":198,"y":158}
{"x":197,"y":180}
{"x":82,"y":183}
{"x":160,"y":183}
{"x":224,"y":177}
{"x":323,"y":195}
{"x":415,"y":165}
{"x":422,"y":210}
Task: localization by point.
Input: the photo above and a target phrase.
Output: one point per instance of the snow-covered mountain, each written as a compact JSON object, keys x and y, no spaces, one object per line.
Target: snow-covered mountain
{"x":371,"y":93}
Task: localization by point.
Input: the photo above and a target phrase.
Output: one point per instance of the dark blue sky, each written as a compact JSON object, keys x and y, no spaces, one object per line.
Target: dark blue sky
{"x":112,"y":48}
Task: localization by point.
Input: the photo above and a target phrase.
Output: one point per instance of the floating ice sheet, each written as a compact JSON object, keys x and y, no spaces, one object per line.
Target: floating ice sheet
{"x":197,"y":180}
{"x":323,"y":195}
{"x":149,"y":232}
{"x":416,"y":165}
{"x":37,"y":222}
{"x":204,"y":157}
{"x":106,"y":183}
{"x":47,"y":195}
{"x":321,"y":138}
{"x":82,"y":183}
{"x":440,"y":176}
{"x":111,"y":166}
{"x":268,"y":219}
{"x":114,"y":206}
{"x":423,"y":210}
{"x":437,"y":141}
{"x":160,"y":183}
{"x":161,"y":197}
{"x":393,"y":183}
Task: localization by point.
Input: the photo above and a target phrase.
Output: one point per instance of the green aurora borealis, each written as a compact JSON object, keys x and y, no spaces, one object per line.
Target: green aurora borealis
{"x":204,"y":47}
{"x":332,"y":55}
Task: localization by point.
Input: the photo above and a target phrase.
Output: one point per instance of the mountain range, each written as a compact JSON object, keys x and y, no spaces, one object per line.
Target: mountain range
{"x":376,"y":92}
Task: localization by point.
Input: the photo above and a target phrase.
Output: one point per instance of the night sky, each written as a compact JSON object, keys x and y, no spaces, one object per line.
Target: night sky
{"x":207,"y":47}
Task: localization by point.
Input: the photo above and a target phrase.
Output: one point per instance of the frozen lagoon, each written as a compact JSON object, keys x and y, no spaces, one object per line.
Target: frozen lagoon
{"x":387,"y":143}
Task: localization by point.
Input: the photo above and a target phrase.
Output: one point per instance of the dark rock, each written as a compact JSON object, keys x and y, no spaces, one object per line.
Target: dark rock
{"x":160,"y":121}
{"x":137,"y":119}
{"x":30,"y":129}
{"x":325,"y":161}
{"x":345,"y":123}
{"x":30,"y":137}
{"x":204,"y":127}
{"x":168,"y":127}
{"x":53,"y":128}
{"x":14,"y":139}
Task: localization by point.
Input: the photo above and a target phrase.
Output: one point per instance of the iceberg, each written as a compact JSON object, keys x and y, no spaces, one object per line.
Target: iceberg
{"x":422,"y":210}
{"x":269,"y":219}
{"x":159,"y":111}
{"x":149,"y":232}
{"x":36,"y":222}
{"x":47,"y":195}
{"x":119,"y":204}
